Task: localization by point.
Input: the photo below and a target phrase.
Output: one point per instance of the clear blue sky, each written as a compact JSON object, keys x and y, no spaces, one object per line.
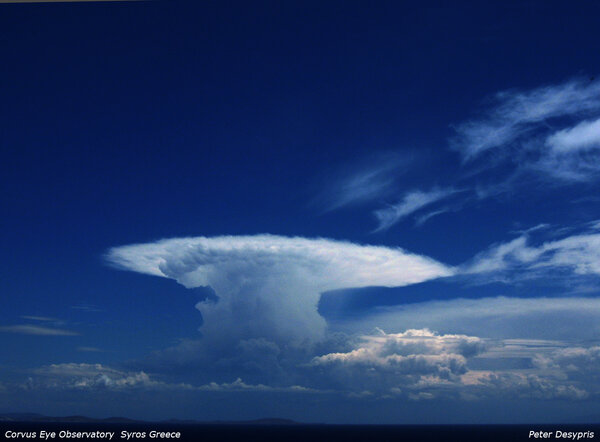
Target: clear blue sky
{"x":189,"y":192}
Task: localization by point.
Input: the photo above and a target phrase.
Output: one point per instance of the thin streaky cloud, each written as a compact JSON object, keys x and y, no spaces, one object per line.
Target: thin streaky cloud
{"x":354,"y":185}
{"x":39,"y":318}
{"x":36,"y":330}
{"x":426,"y":217}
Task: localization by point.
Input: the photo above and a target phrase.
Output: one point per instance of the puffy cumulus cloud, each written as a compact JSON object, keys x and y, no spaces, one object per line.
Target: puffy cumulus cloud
{"x":389,"y":349}
{"x":269,"y":286}
{"x":578,"y":254}
{"x":419,"y":364}
{"x":580,"y":363}
{"x":570,"y":372}
{"x":521,"y":385}
{"x":401,"y":362}
{"x":239,"y":385}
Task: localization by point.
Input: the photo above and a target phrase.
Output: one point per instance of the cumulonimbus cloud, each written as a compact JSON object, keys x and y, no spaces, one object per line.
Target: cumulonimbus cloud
{"x":269,"y":286}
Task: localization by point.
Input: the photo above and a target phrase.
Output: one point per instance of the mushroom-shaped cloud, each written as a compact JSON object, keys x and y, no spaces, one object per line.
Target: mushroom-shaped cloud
{"x":269,"y":286}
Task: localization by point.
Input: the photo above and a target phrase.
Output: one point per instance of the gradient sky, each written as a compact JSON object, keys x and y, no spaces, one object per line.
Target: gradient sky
{"x":346,"y":212}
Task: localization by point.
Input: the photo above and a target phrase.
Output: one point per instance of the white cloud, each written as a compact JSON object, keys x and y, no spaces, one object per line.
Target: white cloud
{"x":517,"y":114}
{"x":265,"y":326}
{"x":36,"y":330}
{"x":584,"y":136}
{"x":404,"y":363}
{"x":550,"y":133}
{"x":579,"y":254}
{"x":572,"y":154}
{"x":269,"y":286}
{"x":411,"y":352}
{"x":420,"y":364}
{"x":410,"y":203}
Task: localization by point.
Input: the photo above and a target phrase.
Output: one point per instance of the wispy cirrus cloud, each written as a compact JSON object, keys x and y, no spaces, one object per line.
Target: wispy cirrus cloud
{"x":549,"y":133}
{"x":411,"y":202}
{"x":577,"y":254}
{"x":514,"y":115}
{"x":582,"y":137}
{"x":552,"y":132}
{"x":375,"y":178}
{"x":375,"y":182}
{"x":573,"y":154}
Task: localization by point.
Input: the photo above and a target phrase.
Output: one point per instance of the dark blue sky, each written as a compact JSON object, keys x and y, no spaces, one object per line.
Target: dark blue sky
{"x":465,"y":134}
